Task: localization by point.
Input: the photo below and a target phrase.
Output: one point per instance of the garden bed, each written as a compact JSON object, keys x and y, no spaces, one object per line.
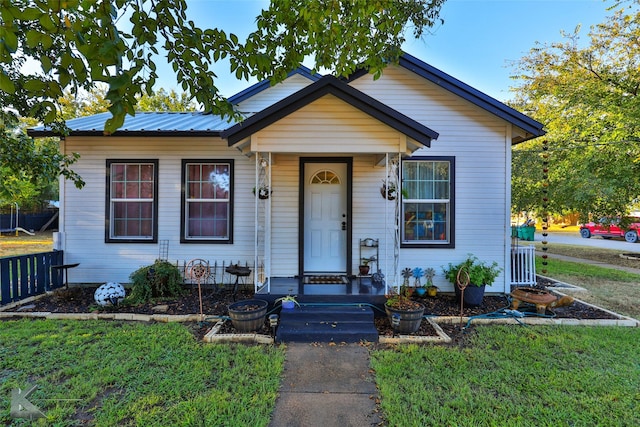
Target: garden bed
{"x":215,"y":304}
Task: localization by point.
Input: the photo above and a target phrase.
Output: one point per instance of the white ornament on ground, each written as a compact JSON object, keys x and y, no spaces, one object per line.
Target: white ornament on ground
{"x":111,"y":293}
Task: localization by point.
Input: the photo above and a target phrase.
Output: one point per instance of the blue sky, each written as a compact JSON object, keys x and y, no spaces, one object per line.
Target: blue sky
{"x":476,"y":44}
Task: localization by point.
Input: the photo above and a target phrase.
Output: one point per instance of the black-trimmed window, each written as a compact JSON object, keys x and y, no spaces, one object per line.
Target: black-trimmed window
{"x":132,"y":201}
{"x":428,"y":185}
{"x":207,"y":201}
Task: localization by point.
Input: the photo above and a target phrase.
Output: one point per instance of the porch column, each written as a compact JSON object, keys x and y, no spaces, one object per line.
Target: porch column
{"x":393,"y":221}
{"x":262,"y":221}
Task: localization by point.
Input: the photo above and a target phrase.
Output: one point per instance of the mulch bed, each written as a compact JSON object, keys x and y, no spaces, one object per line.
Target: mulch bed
{"x":80,"y":300}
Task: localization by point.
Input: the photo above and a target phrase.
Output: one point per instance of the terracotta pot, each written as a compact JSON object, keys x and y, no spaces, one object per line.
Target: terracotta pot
{"x":364,"y":270}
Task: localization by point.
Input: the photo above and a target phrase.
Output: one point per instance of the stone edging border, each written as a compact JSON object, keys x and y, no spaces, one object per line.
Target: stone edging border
{"x":407,"y":339}
{"x":214,"y":337}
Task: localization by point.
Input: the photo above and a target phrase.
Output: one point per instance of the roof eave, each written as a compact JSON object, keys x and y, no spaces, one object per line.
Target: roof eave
{"x":330,"y":85}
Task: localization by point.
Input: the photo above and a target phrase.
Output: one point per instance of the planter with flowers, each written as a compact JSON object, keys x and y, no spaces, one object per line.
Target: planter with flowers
{"x":405,"y":314}
{"x":263,"y":192}
{"x":479,"y":273}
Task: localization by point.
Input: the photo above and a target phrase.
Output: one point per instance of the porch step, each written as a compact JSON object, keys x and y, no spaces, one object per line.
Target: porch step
{"x":327,"y":324}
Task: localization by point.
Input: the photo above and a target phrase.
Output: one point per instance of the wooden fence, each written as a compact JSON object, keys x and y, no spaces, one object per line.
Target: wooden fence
{"x":28,"y":275}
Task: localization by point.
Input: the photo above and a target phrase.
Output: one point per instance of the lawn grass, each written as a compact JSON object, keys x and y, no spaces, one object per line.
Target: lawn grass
{"x":22,"y":244}
{"x":609,"y":256}
{"x":616,"y":290}
{"x":515,"y":376}
{"x":117,"y":373}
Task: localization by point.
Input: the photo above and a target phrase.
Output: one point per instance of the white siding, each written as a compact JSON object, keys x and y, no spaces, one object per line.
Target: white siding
{"x":328,"y":125}
{"x":478,"y":140}
{"x":84,"y":222}
{"x":273,"y":94}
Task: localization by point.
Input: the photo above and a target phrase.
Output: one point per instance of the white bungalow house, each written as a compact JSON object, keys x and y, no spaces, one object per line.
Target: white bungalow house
{"x":322,"y":153}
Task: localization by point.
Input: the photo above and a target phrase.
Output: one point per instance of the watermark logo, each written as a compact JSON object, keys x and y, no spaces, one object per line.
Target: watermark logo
{"x":21,"y":407}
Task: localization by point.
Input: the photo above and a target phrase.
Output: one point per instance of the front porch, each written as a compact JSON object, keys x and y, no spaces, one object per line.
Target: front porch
{"x":354,"y":290}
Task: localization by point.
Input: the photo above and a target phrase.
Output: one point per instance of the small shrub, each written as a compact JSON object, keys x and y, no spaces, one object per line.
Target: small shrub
{"x":161,"y":279}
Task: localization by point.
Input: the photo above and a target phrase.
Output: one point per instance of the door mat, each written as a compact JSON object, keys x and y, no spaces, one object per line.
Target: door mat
{"x":326,"y":280}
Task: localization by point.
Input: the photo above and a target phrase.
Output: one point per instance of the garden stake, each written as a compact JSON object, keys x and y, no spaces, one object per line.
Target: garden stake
{"x":462,"y":283}
{"x":198,"y":269}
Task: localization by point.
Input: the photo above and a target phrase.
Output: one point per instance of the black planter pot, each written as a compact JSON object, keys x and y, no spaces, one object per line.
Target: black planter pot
{"x":473,"y":295}
{"x":409,"y":319}
{"x":246,"y":320}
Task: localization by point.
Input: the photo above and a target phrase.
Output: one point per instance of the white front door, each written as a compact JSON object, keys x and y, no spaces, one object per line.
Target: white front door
{"x":325,"y":218}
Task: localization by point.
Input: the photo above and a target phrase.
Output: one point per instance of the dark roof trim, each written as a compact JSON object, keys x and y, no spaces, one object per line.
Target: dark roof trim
{"x":330,"y":85}
{"x":265,"y":84}
{"x":532,"y":127}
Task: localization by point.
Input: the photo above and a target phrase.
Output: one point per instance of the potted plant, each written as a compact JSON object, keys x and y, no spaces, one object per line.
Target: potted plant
{"x":389,"y":190}
{"x":288,"y":302}
{"x":263,"y":192}
{"x":364,"y":266}
{"x":431,"y":289}
{"x":248,"y":315}
{"x":480,"y":274}
{"x":405,"y":314}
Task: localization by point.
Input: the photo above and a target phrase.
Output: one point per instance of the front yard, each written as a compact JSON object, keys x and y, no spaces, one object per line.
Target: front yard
{"x":113,"y":373}
{"x":127,"y":373}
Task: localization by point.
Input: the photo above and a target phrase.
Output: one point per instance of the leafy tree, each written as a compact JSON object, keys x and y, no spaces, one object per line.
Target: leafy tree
{"x":29,"y":168}
{"x":163,"y":101}
{"x":78,"y":43}
{"x":29,"y":186}
{"x":589,"y":100}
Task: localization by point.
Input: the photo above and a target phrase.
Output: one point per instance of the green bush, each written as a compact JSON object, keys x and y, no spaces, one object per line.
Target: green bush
{"x":159,"y":280}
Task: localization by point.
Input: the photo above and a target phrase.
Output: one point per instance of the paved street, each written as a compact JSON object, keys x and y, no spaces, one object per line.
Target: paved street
{"x":575,"y":239}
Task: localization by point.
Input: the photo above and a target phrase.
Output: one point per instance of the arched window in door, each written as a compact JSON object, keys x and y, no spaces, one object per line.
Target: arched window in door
{"x":325,"y":177}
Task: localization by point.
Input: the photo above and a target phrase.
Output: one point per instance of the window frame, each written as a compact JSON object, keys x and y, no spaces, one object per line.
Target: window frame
{"x":450,"y":243}
{"x":108,"y":238}
{"x":183,"y":203}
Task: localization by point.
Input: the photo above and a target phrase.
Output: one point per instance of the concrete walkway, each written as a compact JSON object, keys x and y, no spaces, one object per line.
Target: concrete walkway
{"x":332,"y":385}
{"x":326,"y":385}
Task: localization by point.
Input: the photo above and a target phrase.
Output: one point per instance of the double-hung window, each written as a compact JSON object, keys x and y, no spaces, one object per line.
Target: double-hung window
{"x":428,"y":202}
{"x":132,"y":201}
{"x":207,"y":201}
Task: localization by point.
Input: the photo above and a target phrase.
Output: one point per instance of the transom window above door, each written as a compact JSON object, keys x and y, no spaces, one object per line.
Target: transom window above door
{"x":325,"y":177}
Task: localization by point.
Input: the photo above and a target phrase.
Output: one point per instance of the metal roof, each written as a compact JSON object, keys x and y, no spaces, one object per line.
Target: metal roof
{"x":146,"y":123}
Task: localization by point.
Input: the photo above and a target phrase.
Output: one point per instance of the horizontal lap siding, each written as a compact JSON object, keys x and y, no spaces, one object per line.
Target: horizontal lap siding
{"x":367,"y":209}
{"x":477,"y":139}
{"x":84,"y":222}
{"x":273,"y":94}
{"x":328,"y":125}
{"x":284,"y":214}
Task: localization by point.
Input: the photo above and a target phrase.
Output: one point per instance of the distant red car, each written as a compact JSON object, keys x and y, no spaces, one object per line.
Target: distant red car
{"x":608,"y":228}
